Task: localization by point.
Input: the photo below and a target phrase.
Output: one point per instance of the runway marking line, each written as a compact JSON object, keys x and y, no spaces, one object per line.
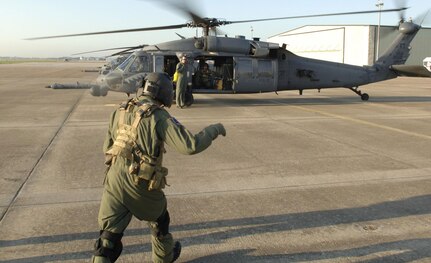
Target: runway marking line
{"x":415,"y":134}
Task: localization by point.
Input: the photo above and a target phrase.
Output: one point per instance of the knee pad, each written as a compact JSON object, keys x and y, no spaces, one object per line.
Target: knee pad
{"x":108,"y":245}
{"x":160,"y":228}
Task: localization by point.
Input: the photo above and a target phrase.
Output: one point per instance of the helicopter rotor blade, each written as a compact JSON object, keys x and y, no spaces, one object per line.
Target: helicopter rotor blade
{"x":401,"y":13}
{"x":318,"y":15}
{"x":127,"y":50}
{"x":423,"y":17}
{"x":108,"y":49}
{"x":114,"y":31}
{"x":183,"y":7}
{"x":208,"y":23}
{"x":121,"y":53}
{"x":426,"y":17}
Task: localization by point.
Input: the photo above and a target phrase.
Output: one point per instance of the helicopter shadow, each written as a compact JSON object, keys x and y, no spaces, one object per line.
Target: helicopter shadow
{"x":410,"y":249}
{"x":345,"y":100}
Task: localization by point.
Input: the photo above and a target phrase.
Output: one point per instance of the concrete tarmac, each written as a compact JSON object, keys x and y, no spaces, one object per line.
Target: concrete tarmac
{"x":322,"y":177}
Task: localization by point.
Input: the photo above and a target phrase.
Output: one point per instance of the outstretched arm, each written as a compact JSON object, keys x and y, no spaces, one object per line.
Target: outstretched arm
{"x":182,"y":140}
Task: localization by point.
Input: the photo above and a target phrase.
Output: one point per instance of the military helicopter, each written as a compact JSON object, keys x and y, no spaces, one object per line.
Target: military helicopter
{"x":241,"y":65}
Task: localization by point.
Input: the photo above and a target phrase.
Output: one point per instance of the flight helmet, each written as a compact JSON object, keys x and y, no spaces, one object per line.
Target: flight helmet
{"x":159,"y":87}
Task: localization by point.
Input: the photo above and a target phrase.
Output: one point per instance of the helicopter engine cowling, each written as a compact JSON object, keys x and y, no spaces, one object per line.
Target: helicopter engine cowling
{"x":257,"y":51}
{"x":238,"y":45}
{"x":219,"y":44}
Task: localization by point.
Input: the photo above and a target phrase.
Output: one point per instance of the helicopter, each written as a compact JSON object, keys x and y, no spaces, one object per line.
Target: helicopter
{"x":240,"y":65}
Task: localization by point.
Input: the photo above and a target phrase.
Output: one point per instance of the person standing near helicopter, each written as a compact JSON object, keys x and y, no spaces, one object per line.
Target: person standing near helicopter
{"x":182,"y":82}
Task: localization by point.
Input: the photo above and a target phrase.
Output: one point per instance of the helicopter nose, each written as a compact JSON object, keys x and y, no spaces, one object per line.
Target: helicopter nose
{"x":112,"y":79}
{"x":101,"y":80}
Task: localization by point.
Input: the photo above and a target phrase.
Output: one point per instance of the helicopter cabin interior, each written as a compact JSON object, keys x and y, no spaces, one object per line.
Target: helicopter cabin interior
{"x":208,"y":74}
{"x":212,"y":74}
{"x":228,"y":74}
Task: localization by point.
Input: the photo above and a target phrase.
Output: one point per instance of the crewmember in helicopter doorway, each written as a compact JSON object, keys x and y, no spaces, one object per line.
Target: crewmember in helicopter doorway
{"x":182,"y":71}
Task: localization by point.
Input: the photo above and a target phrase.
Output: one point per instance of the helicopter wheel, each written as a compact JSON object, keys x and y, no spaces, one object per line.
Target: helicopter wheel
{"x":365,"y":97}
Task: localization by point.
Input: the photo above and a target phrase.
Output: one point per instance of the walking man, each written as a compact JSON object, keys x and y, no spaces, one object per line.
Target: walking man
{"x":134,"y":148}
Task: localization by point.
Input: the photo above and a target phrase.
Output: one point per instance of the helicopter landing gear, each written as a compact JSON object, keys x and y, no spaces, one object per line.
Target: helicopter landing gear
{"x":364,"y":96}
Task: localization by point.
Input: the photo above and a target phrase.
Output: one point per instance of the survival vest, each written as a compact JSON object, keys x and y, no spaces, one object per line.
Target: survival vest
{"x":142,"y":166}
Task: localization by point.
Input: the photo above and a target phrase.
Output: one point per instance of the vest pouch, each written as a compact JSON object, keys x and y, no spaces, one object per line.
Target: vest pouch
{"x":144,"y":173}
{"x":146,"y":170}
{"x":158,"y":181}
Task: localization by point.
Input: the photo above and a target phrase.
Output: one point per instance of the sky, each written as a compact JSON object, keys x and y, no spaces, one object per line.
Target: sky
{"x":20,"y":19}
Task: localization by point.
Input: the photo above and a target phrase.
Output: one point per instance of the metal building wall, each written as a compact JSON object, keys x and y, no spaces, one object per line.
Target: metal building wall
{"x":320,"y":42}
{"x":350,"y":44}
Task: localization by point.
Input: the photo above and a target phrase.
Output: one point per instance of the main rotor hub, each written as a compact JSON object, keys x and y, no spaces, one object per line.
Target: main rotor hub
{"x":207,"y":23}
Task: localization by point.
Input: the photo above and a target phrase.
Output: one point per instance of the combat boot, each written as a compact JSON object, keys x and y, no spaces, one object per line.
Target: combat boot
{"x":177,"y":251}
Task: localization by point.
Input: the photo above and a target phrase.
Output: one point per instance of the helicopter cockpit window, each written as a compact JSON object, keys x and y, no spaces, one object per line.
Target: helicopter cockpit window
{"x":126,"y":62}
{"x":139,"y":65}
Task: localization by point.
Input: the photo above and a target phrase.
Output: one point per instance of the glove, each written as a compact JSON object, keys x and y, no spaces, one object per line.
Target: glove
{"x":220,"y":129}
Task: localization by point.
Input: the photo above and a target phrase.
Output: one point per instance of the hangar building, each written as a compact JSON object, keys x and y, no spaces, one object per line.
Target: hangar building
{"x":350,"y":44}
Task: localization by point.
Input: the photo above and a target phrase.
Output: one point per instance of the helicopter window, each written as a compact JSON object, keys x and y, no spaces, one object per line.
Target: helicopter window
{"x":126,"y":62}
{"x":140,"y":65}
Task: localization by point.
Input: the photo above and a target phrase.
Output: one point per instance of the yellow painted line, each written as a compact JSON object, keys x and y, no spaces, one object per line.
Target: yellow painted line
{"x":372,"y":124}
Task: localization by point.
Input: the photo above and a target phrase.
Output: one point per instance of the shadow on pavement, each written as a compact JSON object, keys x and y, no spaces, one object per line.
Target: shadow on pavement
{"x":404,"y":251}
{"x":409,"y":249}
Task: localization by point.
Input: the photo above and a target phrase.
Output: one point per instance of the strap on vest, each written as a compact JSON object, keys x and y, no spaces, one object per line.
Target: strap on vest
{"x":124,"y":107}
{"x":125,"y":141}
{"x":145,"y":110}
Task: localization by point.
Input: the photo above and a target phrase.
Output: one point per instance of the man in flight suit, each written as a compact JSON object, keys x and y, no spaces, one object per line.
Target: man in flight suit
{"x":134,"y":147}
{"x":182,"y":82}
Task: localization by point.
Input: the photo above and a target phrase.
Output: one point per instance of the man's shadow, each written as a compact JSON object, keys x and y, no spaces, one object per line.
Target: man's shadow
{"x":242,"y":227}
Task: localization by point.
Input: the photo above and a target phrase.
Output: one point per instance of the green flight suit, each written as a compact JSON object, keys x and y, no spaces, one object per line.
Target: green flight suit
{"x":122,"y":198}
{"x":181,"y":86}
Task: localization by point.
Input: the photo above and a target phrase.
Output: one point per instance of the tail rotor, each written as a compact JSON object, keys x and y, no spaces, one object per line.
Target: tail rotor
{"x":401,"y":13}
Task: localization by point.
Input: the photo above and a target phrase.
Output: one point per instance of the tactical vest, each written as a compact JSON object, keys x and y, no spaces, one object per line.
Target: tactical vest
{"x":141,"y":165}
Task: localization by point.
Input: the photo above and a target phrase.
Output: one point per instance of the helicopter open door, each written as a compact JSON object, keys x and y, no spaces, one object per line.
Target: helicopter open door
{"x":254,"y":75}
